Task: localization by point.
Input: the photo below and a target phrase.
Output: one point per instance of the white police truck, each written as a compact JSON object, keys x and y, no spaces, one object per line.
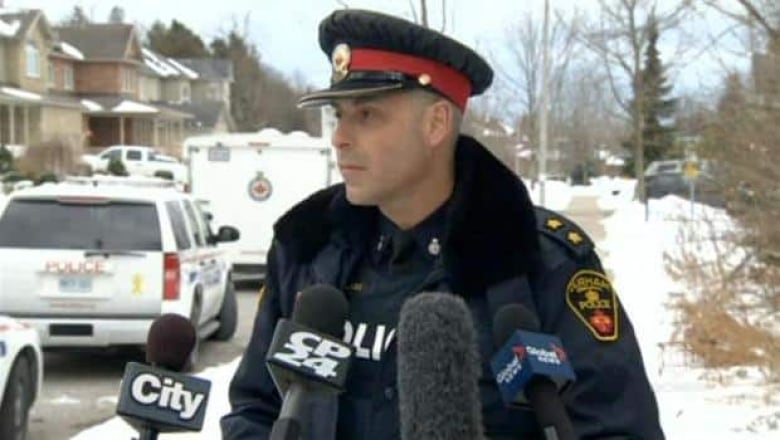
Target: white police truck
{"x":250,"y":179}
{"x":92,"y":261}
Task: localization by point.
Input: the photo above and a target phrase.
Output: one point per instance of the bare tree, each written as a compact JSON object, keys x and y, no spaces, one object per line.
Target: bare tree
{"x":522,"y":78}
{"x":619,"y":37}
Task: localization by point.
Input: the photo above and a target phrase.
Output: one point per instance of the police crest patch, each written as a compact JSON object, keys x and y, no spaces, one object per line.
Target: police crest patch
{"x":592,"y":298}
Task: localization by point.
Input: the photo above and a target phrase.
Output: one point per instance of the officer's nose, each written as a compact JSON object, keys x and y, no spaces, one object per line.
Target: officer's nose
{"x":340,"y":138}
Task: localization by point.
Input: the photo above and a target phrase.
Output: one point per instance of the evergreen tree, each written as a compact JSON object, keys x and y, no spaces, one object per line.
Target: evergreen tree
{"x":657,"y":107}
{"x":117,"y":15}
{"x":176,"y":41}
{"x":76,"y":18}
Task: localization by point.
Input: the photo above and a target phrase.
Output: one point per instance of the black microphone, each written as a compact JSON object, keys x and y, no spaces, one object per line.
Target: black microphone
{"x":158,"y":398}
{"x":307,"y":355}
{"x":438,"y":370}
{"x":531,"y":367}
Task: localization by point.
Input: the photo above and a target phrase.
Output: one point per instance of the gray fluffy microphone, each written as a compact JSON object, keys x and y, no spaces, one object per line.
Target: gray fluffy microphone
{"x":438,"y":370}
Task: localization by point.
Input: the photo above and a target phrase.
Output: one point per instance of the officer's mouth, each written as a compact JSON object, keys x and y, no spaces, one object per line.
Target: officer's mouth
{"x":350,"y":169}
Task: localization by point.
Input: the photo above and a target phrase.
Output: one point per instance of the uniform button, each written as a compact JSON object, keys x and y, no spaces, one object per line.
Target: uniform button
{"x":389,"y":393}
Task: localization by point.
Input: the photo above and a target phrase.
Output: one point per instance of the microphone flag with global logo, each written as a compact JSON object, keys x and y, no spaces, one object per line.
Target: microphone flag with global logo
{"x":525,"y":356}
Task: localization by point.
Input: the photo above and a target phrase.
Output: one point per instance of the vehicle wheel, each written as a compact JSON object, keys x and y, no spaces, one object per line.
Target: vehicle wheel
{"x":15,"y":407}
{"x":195,"y":319}
{"x":228,"y":315}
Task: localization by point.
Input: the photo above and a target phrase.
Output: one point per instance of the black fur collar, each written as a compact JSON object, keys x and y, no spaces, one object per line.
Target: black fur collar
{"x":491,"y":228}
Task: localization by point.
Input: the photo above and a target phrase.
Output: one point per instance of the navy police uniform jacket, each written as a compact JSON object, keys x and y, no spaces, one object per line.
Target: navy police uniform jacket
{"x":497,"y":249}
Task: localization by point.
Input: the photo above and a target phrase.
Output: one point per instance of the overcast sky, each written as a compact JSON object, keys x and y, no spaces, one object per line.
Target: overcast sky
{"x":285,"y":31}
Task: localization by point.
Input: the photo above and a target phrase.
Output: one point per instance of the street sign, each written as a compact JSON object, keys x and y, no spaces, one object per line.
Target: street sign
{"x":691,"y":170}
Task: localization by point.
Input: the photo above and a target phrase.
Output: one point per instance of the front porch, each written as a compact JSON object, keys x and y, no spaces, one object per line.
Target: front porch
{"x":18,"y":121}
{"x":131,"y":123}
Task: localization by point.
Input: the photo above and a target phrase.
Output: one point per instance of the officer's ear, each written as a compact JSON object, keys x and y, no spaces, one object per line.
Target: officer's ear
{"x":439,"y":118}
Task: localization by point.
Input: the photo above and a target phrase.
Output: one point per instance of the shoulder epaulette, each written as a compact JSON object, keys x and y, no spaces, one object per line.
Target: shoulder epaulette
{"x":564,"y":232}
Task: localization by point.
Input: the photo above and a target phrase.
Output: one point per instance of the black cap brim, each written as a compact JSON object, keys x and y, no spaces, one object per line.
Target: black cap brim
{"x":347,"y":90}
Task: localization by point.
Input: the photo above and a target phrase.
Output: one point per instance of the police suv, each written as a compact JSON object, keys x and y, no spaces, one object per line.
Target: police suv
{"x":91,"y":262}
{"x":21,"y":376}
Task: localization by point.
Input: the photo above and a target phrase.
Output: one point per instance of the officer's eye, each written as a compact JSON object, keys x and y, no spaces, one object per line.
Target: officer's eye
{"x":366,"y":113}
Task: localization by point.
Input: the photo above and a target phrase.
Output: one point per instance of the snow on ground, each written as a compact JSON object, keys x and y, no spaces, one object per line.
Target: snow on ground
{"x":557,"y":194}
{"x":693,"y":404}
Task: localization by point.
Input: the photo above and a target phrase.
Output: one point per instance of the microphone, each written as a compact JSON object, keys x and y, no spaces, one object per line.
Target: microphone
{"x":307,"y":355}
{"x":530,"y":368}
{"x":438,"y":370}
{"x":158,"y":398}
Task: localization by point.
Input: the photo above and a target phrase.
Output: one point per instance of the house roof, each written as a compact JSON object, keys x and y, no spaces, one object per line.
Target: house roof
{"x":113,"y":105}
{"x":99,"y":41}
{"x":14,"y":23}
{"x":206,"y":113}
{"x":210,"y":68}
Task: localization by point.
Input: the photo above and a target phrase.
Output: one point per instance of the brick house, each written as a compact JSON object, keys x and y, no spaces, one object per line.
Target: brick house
{"x":199,"y":87}
{"x":108,"y":80}
{"x":93,"y":86}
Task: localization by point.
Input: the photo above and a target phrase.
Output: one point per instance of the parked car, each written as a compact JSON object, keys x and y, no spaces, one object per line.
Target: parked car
{"x":138,"y":161}
{"x":21,"y":376}
{"x":91,"y":262}
{"x":667,"y":177}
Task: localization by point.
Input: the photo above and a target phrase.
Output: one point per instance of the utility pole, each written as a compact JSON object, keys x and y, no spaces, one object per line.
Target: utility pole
{"x":545,"y":105}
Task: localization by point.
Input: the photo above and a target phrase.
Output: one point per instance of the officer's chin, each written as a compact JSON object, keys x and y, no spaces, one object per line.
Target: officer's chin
{"x":359,"y":198}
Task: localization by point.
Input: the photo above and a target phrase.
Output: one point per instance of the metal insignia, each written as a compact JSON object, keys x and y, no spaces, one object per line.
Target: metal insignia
{"x":591,"y":297}
{"x":554,"y":224}
{"x":340,"y":59}
{"x":575,"y":237}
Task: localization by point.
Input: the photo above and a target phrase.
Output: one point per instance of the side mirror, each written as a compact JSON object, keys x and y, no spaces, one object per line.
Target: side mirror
{"x":227,"y":233}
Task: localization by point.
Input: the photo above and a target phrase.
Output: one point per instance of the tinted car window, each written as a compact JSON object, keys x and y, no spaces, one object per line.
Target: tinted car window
{"x":197,"y":234}
{"x":668,"y":168}
{"x":178,"y":225}
{"x":51,"y":224}
{"x":134,"y":154}
{"x":112,"y":155}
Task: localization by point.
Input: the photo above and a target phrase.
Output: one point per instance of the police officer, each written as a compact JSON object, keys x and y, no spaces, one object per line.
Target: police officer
{"x":423,"y":208}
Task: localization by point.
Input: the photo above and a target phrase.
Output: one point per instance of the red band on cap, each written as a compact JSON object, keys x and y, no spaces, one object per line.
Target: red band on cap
{"x":450,"y":82}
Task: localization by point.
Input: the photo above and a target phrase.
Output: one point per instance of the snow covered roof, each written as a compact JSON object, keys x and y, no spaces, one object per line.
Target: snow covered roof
{"x":71,"y":51}
{"x":189,"y":73}
{"x":128,"y":106}
{"x":10,"y":28}
{"x":91,"y":105}
{"x":158,"y":64}
{"x":21,"y":94}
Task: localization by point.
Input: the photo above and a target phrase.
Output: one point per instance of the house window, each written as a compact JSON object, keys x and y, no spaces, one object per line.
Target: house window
{"x":128,"y":81}
{"x":185,"y":92}
{"x":33,"y":60}
{"x":214,"y":92}
{"x":69,"y":83}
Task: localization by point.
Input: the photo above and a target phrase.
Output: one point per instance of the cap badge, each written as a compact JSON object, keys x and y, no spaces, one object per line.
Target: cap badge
{"x":424,"y":79}
{"x":340,"y":58}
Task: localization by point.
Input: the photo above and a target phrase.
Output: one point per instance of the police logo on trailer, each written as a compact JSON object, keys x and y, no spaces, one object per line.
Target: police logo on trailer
{"x":260,"y":188}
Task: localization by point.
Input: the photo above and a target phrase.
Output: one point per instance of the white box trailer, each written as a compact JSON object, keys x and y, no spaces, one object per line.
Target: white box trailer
{"x":249,"y":180}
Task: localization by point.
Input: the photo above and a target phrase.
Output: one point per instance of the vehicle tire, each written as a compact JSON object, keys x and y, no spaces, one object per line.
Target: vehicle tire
{"x":228,"y":315}
{"x":15,"y":406}
{"x":194,"y":318}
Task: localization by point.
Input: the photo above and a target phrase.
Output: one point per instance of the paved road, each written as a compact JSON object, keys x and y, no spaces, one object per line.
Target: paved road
{"x":79,"y":389}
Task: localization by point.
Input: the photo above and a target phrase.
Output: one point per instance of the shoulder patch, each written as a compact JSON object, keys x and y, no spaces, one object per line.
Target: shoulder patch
{"x":592,"y":298}
{"x":564,"y":232}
